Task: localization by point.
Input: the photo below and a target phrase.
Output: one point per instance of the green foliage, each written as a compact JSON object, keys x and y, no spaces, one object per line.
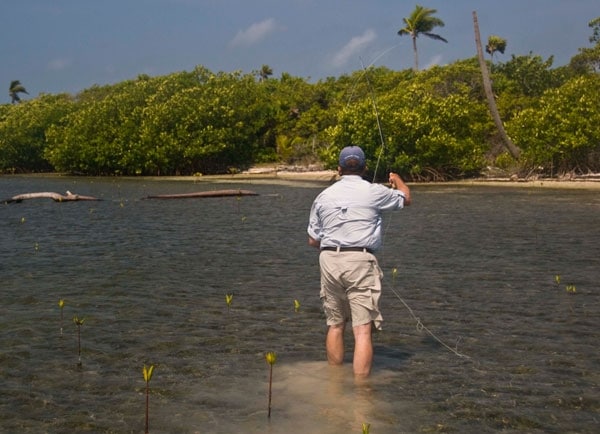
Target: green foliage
{"x":561,"y":132}
{"x":527,"y":75}
{"x":588,"y":59}
{"x":23,"y":129}
{"x":519,"y":83}
{"x":99,"y":138}
{"x":595,"y":26}
{"x":432,"y":124}
{"x":14,"y":90}
{"x":179,"y":124}
{"x":495,"y":44}
{"x":433,"y":128}
{"x":301,"y":112}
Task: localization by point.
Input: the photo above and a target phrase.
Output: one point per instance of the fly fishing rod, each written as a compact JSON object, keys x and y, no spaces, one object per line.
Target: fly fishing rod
{"x":376,"y":110}
{"x":419,"y":324}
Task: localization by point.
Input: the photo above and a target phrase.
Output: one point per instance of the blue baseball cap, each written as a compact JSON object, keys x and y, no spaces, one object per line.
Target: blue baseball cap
{"x":352,"y":153}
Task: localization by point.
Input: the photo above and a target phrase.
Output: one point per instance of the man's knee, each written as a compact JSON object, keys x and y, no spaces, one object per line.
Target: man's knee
{"x":337,"y":328}
{"x":363,"y":329}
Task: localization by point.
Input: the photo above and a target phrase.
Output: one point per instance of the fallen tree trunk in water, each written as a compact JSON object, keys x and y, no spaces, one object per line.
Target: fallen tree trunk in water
{"x":212,"y":193}
{"x":56,"y":197}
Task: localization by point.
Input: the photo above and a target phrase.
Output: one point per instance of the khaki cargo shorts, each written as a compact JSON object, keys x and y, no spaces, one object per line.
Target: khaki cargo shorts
{"x":350,"y":287}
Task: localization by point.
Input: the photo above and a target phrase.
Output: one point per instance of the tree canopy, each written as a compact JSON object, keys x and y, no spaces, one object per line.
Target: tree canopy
{"x":14,"y":90}
{"x":495,"y":44}
{"x":431,"y":124}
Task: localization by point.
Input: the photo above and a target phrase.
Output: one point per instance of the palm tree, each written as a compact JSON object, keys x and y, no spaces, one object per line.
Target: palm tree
{"x":595,"y":26}
{"x":495,"y":44}
{"x":421,"y":21}
{"x":15,"y":89}
{"x":265,"y":72}
{"x":487,"y":87}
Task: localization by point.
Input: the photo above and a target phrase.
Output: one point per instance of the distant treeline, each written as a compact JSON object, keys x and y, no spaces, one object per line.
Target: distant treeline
{"x":431,"y":124}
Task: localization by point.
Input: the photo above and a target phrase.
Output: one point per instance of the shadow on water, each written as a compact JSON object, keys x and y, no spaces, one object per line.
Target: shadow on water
{"x":476,"y":266}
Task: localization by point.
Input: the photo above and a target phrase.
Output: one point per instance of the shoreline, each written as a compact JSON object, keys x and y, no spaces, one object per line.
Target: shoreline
{"x":574,"y":184}
{"x":329,"y":176}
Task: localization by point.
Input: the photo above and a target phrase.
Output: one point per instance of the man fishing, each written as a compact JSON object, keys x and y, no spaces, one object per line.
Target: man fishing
{"x":345,"y":224}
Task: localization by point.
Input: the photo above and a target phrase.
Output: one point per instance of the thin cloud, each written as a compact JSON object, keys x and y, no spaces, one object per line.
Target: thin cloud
{"x":434,"y":61}
{"x":352,"y":48}
{"x":254,"y":34}
{"x":58,"y":64}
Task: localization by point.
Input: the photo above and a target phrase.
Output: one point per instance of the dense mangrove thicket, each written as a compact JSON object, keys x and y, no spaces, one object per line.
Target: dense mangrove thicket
{"x":432,"y":124}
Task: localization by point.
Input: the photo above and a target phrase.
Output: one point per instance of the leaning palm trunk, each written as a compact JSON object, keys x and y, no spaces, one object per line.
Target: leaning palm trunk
{"x":487,"y":86}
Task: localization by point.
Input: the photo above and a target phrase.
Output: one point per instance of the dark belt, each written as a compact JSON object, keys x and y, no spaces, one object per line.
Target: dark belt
{"x":348,"y":249}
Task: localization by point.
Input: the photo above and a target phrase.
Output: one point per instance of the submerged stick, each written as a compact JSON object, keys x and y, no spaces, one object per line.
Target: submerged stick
{"x":211,"y":193}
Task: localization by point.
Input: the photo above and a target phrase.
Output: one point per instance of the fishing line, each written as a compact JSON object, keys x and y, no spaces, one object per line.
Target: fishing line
{"x":373,"y":101}
{"x":376,"y":110}
{"x":421,"y":327}
{"x":419,"y":324}
{"x":365,"y":70}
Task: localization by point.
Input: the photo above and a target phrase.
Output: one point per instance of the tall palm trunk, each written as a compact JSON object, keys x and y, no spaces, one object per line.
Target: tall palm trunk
{"x":414,"y":41}
{"x":487,"y":86}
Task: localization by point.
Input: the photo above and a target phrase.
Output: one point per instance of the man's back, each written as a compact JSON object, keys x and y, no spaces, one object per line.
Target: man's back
{"x":348,"y":213}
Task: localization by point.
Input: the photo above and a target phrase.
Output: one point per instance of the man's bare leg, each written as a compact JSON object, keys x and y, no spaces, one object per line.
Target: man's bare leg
{"x":334,"y":343}
{"x":363,"y":350}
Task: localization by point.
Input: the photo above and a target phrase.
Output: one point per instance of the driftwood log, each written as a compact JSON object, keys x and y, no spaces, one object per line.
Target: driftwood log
{"x":57,"y":197}
{"x":211,"y":193}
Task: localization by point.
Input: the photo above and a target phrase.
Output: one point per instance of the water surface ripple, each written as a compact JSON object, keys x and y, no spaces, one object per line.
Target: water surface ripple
{"x":476,"y":265}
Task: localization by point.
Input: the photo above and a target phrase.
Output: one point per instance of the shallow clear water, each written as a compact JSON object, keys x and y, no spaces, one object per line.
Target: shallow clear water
{"x":498,"y":344}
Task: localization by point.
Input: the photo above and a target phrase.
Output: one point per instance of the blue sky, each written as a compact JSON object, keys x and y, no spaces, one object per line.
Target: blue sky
{"x":55,"y":46}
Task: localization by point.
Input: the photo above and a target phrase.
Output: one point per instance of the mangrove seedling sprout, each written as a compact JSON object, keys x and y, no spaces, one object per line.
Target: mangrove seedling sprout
{"x":271,"y":358}
{"x":61,"y":305}
{"x":147,"y":377}
{"x":78,"y":322}
{"x":365,"y":428}
{"x":296,"y":306}
{"x":228,"y":300}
